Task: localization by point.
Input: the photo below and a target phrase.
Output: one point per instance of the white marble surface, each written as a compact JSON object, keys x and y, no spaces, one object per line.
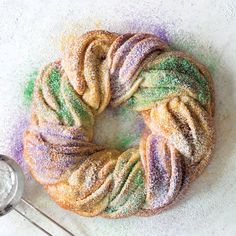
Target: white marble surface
{"x":13,"y":224}
{"x":29,"y":36}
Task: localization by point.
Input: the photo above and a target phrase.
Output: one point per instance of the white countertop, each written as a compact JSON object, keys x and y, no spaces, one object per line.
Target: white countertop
{"x":30,"y":32}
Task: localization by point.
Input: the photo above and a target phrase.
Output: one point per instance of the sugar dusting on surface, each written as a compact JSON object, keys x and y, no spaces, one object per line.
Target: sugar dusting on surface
{"x":203,"y":204}
{"x":29,"y":87}
{"x":118,"y":128}
{"x":16,"y":142}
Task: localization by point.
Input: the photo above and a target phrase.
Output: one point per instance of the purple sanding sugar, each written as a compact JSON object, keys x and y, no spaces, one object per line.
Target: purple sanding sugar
{"x":158,"y":174}
{"x":158,"y":29}
{"x":140,"y":125}
{"x":162,"y":33}
{"x":16,"y":148}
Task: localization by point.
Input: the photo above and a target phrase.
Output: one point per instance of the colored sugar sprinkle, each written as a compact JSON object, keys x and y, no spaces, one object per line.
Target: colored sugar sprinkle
{"x":29,"y":88}
{"x":125,"y":137}
{"x":159,"y":30}
{"x":128,"y":124}
{"x":16,"y":140}
{"x":201,"y":50}
{"x":125,"y":140}
{"x":54,"y":84}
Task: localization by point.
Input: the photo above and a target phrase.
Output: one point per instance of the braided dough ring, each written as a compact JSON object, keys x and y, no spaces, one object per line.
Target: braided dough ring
{"x":173,"y":92}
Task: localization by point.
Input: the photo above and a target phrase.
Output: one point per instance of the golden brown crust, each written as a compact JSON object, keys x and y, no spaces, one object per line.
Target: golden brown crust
{"x":173,"y":92}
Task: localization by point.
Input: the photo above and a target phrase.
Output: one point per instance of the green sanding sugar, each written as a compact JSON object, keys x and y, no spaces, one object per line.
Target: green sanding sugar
{"x":53,"y":82}
{"x":29,"y":88}
{"x":169,"y":77}
{"x":70,"y":107}
{"x":124,"y":140}
{"x":80,"y":108}
{"x":139,"y":178}
{"x":146,"y":96}
{"x":133,"y":197}
{"x":189,"y":44}
{"x":182,"y":66}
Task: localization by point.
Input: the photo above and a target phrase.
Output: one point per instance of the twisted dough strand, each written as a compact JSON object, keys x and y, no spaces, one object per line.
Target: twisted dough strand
{"x":173,"y":92}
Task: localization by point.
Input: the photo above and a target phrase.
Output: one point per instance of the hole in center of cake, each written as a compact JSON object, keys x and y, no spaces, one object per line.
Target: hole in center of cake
{"x":118,"y":128}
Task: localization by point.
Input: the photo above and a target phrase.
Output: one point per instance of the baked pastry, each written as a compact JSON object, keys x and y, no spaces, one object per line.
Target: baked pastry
{"x":173,"y":92}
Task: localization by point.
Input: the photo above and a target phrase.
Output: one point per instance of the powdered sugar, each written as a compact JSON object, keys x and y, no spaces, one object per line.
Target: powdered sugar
{"x":7,"y":181}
